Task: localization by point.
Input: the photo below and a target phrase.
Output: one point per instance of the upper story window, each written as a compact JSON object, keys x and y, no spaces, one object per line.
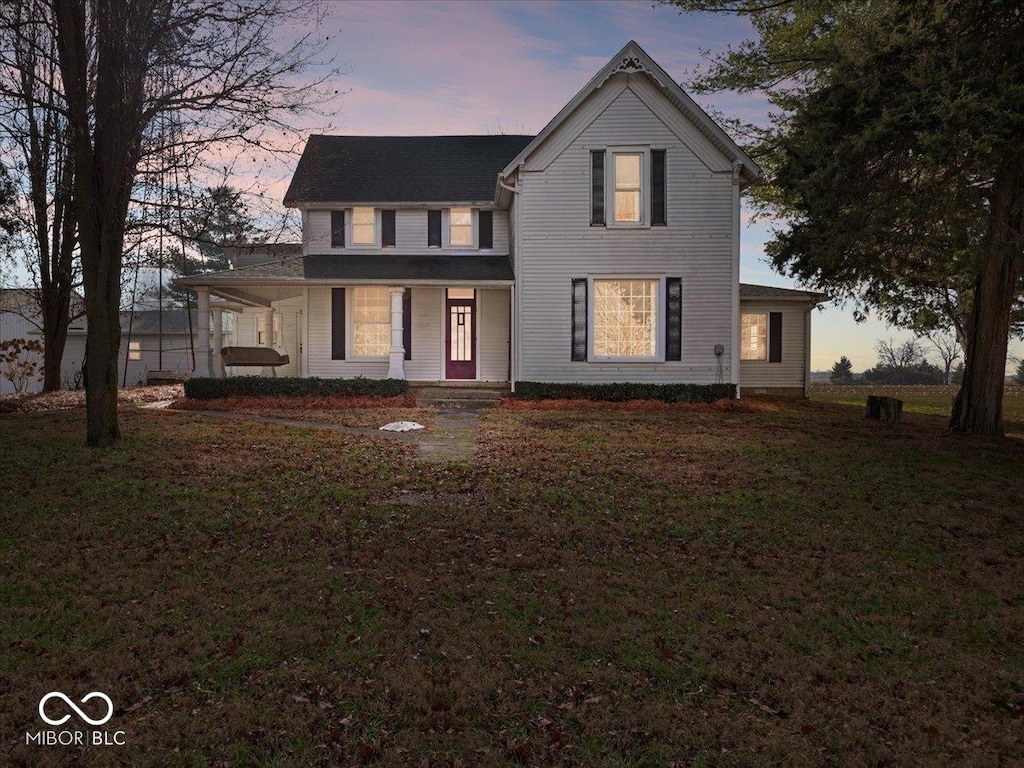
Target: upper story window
{"x":364,"y":226}
{"x":628,"y":188}
{"x":754,"y":336}
{"x":460,"y":227}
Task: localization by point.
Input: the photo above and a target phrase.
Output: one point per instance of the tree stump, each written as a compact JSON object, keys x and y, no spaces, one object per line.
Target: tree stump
{"x":884,"y":408}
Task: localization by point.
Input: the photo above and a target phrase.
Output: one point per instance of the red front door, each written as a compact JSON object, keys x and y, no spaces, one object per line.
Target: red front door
{"x":460,"y":339}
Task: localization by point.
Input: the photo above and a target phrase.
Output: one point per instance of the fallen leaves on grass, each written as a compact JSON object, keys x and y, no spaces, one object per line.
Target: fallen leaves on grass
{"x":68,"y":399}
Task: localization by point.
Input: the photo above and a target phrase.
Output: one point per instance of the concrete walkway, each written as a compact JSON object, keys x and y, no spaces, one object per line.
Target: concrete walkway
{"x":452,"y":438}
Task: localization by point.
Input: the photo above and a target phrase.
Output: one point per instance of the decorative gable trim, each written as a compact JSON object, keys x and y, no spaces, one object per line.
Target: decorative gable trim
{"x":633,"y":60}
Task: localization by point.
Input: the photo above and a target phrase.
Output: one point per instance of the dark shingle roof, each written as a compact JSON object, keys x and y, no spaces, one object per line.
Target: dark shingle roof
{"x":389,"y":267}
{"x":371,"y":266}
{"x":749,"y":291}
{"x":147,"y":321}
{"x":393,"y":169}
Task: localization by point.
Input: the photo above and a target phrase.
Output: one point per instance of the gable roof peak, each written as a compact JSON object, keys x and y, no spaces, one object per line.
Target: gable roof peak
{"x":633,"y":59}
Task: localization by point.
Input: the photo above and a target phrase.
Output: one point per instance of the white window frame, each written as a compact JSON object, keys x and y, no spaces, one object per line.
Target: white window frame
{"x":767,"y":332}
{"x":350,"y":310}
{"x":261,"y":329}
{"x":659,"y":319}
{"x":446,"y":229}
{"x":134,"y":350}
{"x":644,"y":151}
{"x":350,"y":220}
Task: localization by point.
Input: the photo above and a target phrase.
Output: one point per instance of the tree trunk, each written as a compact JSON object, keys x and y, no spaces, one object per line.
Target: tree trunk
{"x":884,"y":408}
{"x":105,"y":145}
{"x":103,"y":340}
{"x":978,"y":406}
{"x":54,"y":340}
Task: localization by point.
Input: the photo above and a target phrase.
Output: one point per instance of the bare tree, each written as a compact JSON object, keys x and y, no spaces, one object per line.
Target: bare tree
{"x":899,"y":355}
{"x":217,"y":70}
{"x":948,"y":349}
{"x":33,"y":131}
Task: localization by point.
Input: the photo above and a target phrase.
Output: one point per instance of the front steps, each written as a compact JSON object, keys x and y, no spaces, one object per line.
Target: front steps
{"x":460,"y":398}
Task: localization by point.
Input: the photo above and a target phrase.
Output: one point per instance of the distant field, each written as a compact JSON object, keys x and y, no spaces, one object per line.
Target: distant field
{"x":933,"y":400}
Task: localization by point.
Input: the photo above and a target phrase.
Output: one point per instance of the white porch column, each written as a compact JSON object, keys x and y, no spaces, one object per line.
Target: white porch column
{"x":268,"y":339}
{"x":203,"y":367}
{"x":396,"y":356}
{"x":218,"y":343}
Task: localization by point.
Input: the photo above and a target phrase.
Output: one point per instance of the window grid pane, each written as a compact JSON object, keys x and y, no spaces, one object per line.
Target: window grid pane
{"x":754,"y":336}
{"x":627,"y":187}
{"x":364,"y":221}
{"x":460,"y":226}
{"x":625,"y":318}
{"x":371,"y":321}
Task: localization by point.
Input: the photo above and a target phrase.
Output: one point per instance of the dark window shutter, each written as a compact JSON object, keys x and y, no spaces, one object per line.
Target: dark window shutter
{"x":387,"y":228}
{"x":337,"y":324}
{"x":434,"y":229}
{"x":774,"y":337}
{"x":337,"y":229}
{"x":407,"y":323}
{"x":674,"y":318}
{"x":579,"y":319}
{"x":658,"y":212}
{"x":486,"y":227}
{"x":597,"y":187}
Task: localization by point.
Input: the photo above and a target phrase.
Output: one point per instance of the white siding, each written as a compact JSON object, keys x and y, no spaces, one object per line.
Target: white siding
{"x":427,"y":336}
{"x":177,"y":356}
{"x":428,"y":339}
{"x":759,"y":374}
{"x":492,"y":308}
{"x":558,"y":244}
{"x":410,"y":234}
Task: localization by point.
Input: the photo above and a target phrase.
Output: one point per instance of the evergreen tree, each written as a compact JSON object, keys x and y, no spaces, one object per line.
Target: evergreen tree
{"x":842,"y":371}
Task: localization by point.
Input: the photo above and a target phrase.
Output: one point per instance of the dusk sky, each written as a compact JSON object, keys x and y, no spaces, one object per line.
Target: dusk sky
{"x":509,"y":67}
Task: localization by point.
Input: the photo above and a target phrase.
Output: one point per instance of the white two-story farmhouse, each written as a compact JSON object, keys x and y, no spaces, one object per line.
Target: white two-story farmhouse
{"x":604,"y":249}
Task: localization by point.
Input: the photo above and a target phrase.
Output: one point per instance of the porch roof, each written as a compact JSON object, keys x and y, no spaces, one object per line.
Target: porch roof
{"x":363,"y":268}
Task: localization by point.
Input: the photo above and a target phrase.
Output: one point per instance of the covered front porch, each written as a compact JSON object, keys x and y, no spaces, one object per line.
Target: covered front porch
{"x":443,"y":335}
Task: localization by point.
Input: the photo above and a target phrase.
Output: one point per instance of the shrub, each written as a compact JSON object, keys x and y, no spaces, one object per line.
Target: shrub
{"x":257,"y":386}
{"x":20,"y":362}
{"x":669,"y":393}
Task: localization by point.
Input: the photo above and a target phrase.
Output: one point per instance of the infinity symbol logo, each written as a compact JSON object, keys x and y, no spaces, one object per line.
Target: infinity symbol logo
{"x":78,"y":711}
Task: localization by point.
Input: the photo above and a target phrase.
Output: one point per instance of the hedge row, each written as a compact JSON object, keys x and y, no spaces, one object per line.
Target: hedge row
{"x":669,"y":393}
{"x":255,"y":386}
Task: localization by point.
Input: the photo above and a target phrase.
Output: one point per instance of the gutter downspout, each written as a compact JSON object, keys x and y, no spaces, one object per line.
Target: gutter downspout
{"x":513,"y":326}
{"x":734,"y":346}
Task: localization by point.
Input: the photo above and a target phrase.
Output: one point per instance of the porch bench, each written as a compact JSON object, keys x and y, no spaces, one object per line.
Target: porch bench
{"x":253,"y":357}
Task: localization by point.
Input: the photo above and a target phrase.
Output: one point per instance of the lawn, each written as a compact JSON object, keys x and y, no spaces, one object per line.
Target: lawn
{"x":603,"y":586}
{"x":936,"y":400}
